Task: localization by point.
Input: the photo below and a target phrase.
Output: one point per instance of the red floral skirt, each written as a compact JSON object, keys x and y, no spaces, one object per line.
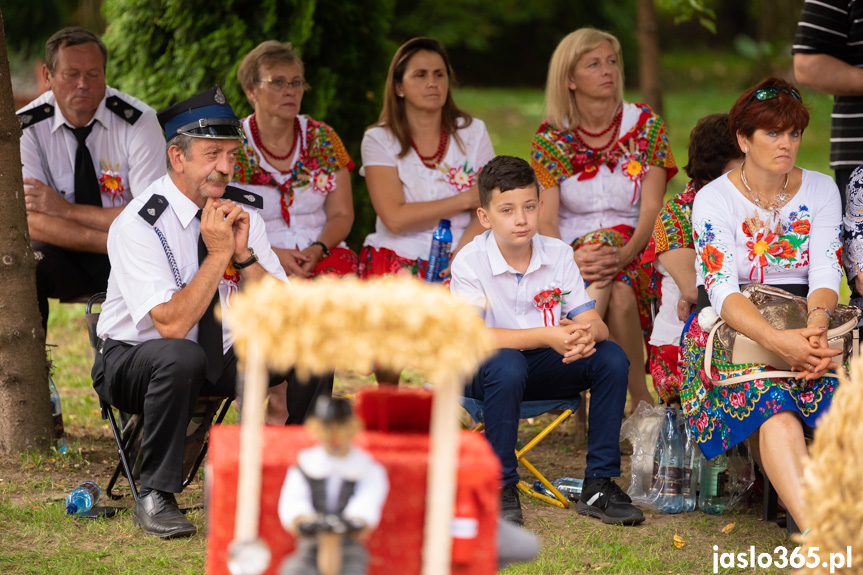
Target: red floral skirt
{"x":644,"y":280}
{"x":340,"y":262}
{"x":378,"y":262}
{"x":664,"y":366}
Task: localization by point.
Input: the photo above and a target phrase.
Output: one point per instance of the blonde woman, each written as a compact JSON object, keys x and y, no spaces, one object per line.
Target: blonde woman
{"x":603,"y":164}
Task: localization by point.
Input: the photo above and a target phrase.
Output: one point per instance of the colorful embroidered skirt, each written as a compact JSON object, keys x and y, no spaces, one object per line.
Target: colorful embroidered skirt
{"x":340,"y":262}
{"x":665,"y":370}
{"x":644,"y":280}
{"x":378,"y":262}
{"x":722,"y":416}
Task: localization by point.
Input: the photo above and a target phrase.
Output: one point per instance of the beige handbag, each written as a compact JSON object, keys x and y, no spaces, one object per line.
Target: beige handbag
{"x":783,"y":311}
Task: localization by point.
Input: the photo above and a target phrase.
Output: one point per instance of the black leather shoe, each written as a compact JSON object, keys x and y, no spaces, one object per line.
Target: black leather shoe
{"x":510,"y":505}
{"x":159,"y":515}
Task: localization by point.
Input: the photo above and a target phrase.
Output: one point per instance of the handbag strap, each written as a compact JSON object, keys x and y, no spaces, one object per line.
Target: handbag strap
{"x":708,"y":359}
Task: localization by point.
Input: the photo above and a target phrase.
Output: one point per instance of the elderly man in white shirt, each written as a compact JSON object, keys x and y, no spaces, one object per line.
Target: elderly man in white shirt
{"x":184,"y":246}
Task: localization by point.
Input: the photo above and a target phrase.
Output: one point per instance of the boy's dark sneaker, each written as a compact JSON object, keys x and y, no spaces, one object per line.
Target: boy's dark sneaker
{"x":603,"y":499}
{"x":510,"y":505}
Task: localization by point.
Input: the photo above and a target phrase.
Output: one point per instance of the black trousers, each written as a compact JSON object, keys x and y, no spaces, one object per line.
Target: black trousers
{"x":64,"y":274}
{"x":162,"y":379}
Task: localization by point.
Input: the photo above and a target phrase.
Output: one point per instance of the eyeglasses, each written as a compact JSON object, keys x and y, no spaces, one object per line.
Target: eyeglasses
{"x":770,"y":92}
{"x":280,"y":85}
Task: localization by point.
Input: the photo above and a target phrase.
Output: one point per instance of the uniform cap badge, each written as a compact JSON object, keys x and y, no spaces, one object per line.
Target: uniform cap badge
{"x":220,"y":97}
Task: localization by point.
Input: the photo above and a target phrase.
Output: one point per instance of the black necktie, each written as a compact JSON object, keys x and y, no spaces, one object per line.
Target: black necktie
{"x":86,"y":183}
{"x":210,"y":328}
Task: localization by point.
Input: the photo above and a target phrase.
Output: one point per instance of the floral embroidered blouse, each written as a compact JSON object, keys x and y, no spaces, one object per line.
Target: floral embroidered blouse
{"x":457,"y":173}
{"x":294,"y":201}
{"x":738,"y":243}
{"x":601,"y":190}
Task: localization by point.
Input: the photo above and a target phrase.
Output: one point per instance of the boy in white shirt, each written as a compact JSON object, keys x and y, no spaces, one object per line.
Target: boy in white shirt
{"x":553,"y":344}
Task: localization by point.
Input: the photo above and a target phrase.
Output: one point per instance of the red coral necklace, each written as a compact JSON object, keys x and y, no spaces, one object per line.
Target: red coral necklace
{"x":613,"y":128}
{"x":256,"y":136}
{"x":436,"y":158}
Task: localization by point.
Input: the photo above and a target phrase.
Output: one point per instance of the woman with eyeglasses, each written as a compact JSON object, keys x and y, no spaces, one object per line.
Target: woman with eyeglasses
{"x":772,"y":223}
{"x":301,"y":169}
{"x":603,"y":164}
{"x":420,"y":161}
{"x":298,"y":164}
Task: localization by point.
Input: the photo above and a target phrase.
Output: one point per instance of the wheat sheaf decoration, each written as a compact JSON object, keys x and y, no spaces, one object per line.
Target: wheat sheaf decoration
{"x":317,"y":326}
{"x":831,"y":480}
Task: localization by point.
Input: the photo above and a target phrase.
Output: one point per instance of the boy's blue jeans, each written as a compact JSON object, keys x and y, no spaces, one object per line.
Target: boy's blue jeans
{"x":511,"y":376}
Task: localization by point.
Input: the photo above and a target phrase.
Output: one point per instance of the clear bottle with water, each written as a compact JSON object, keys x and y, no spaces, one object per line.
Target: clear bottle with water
{"x":57,"y":413}
{"x":83,"y":498}
{"x":569,"y":487}
{"x":714,"y":474}
{"x":439,"y":253}
{"x":691,"y":461}
{"x":667,"y":488}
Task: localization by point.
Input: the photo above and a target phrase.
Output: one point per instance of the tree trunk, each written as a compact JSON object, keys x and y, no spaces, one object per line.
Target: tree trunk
{"x":649,"y":80}
{"x":25,"y":412}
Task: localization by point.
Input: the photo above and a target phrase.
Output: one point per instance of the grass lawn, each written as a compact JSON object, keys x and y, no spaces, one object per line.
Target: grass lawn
{"x":39,"y":539}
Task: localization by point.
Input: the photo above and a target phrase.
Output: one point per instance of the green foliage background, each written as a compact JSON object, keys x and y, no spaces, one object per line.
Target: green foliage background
{"x":164,"y":51}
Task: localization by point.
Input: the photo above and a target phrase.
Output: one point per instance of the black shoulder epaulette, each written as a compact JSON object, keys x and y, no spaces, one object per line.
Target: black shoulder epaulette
{"x":123,"y":109}
{"x":35,"y":115}
{"x":243,"y":197}
{"x":153,"y":209}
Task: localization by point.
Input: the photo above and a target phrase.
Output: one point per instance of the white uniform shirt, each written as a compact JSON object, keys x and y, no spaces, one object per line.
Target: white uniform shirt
{"x":141,"y":276}
{"x":370,"y":491}
{"x":421,"y":184}
{"x":307,"y":210}
{"x":127,"y":156}
{"x":603,"y":201}
{"x":730,"y":253}
{"x":505,"y":297}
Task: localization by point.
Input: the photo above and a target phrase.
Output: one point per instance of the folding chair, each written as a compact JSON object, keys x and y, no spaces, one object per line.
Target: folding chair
{"x":564,"y":408}
{"x":127,"y":434}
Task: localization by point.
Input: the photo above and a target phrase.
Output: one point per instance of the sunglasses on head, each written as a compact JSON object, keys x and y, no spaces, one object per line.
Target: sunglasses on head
{"x":770,"y":92}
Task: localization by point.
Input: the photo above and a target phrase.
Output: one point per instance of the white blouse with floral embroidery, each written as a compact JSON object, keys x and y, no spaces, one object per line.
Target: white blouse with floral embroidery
{"x":457,"y":173}
{"x":738,"y":243}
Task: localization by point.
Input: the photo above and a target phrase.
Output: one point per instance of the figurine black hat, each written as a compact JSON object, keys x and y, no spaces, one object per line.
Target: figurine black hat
{"x":333,"y":409}
{"x":204,"y":115}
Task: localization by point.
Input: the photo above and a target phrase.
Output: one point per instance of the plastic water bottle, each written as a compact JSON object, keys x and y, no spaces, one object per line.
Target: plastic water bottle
{"x":83,"y":498}
{"x":439,"y":254}
{"x":57,"y":412}
{"x":714,"y":473}
{"x":569,"y":487}
{"x":668,"y":466}
{"x":691,"y":459}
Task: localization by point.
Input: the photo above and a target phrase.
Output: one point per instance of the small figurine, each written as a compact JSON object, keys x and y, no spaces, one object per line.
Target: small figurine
{"x":332,"y":498}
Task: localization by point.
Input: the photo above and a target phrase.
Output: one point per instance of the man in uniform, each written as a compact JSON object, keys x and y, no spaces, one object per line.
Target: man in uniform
{"x":87,"y":149}
{"x":186,"y":244}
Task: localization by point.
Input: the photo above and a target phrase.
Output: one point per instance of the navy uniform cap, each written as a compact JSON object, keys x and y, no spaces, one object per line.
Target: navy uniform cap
{"x":333,"y":409}
{"x":204,"y":115}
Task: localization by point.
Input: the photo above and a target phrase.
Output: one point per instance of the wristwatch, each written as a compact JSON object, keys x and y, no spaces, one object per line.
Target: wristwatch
{"x":252,"y":259}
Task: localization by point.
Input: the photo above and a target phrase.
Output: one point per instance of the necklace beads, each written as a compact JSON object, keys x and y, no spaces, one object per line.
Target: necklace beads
{"x":435,"y":159}
{"x":256,"y":136}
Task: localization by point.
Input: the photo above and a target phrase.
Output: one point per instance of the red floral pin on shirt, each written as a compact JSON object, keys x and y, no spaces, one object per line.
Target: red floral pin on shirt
{"x":546,"y":300}
{"x":232,"y":277}
{"x":459,"y":177}
{"x":111,"y":183}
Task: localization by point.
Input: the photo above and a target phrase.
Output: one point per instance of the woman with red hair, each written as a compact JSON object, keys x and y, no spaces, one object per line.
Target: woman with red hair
{"x":772,"y":223}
